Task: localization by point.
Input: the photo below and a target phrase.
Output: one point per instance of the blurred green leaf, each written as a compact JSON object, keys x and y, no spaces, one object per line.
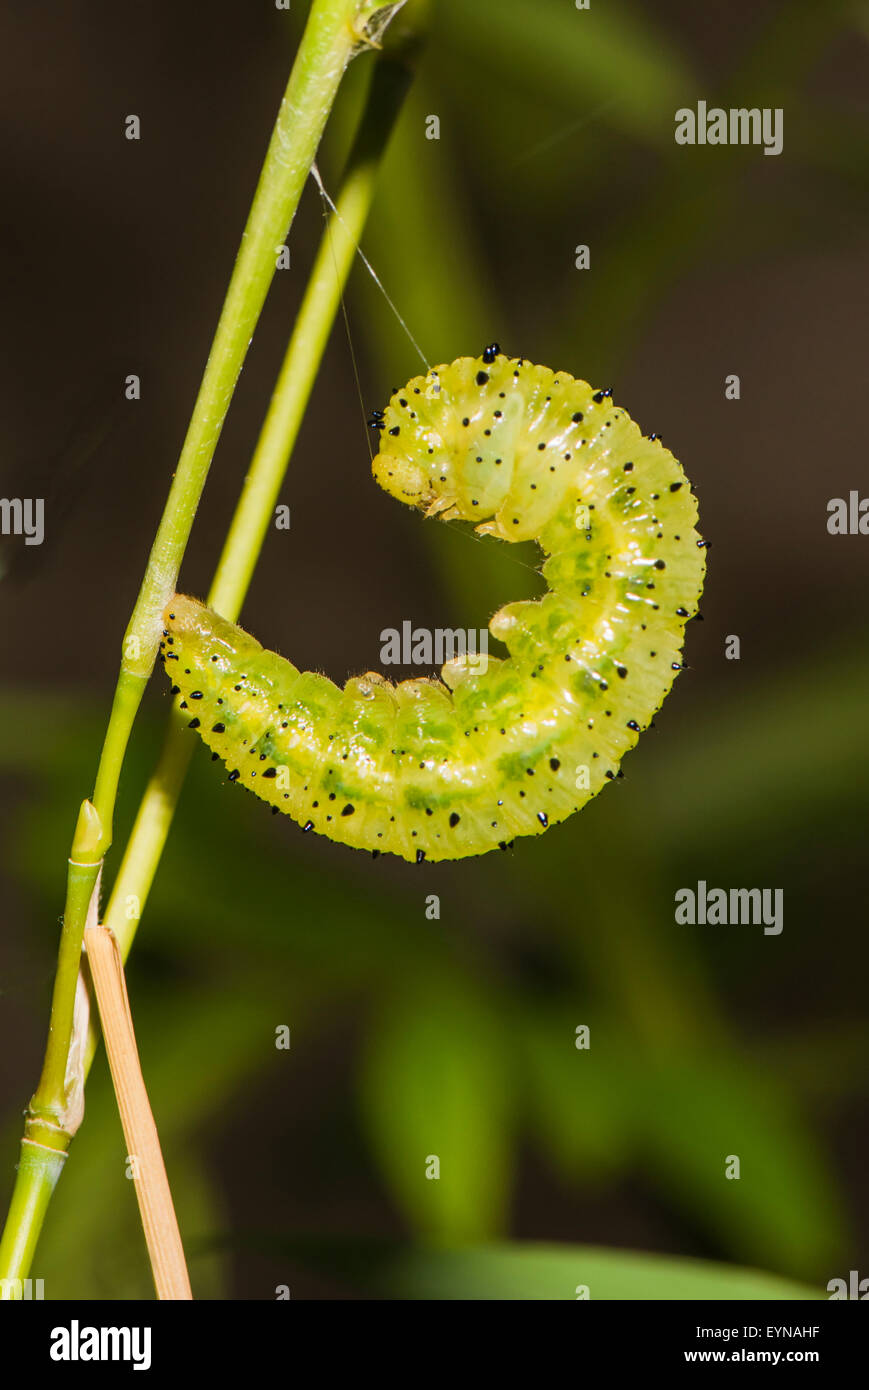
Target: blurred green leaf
{"x":547,"y":1272}
{"x":573,"y":1100}
{"x":420,"y":239}
{"x":677,"y":1120}
{"x":612,"y":52}
{"x":436,"y":1097}
{"x":693,"y":1115}
{"x":682,"y":219}
{"x":534,"y":1272}
{"x":739,"y":767}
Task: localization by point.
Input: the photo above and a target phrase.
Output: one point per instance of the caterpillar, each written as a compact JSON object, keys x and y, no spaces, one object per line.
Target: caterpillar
{"x":441,"y":769}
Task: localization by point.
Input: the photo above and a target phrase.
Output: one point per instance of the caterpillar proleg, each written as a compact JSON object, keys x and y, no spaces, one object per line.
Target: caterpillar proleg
{"x":430,"y":769}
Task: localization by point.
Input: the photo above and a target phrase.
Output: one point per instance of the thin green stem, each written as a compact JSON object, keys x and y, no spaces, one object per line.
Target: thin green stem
{"x":325,"y":50}
{"x":38,"y":1171}
{"x":254,"y":512}
{"x":298,"y":373}
{"x":49,"y":1106}
{"x":335,"y":29}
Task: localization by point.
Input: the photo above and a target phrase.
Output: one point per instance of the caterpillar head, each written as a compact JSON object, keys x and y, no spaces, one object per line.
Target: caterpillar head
{"x":403,"y":478}
{"x":448,"y":440}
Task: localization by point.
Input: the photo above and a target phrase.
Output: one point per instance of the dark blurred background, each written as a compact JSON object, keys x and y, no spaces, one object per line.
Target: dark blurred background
{"x":454,"y":1036}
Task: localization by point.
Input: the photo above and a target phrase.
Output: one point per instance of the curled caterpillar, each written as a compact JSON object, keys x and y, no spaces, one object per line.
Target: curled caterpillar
{"x":431,"y":769}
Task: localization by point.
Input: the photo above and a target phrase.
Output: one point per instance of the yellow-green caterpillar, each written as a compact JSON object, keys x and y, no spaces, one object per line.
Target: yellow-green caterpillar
{"x":432,"y":769}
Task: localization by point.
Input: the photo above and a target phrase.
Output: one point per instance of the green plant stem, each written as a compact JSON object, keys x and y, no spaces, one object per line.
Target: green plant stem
{"x":49,"y":1118}
{"x":232,"y":578}
{"x":335,"y":29}
{"x":254,"y":512}
{"x":324,"y":52}
{"x":38,"y":1171}
{"x":298,"y":373}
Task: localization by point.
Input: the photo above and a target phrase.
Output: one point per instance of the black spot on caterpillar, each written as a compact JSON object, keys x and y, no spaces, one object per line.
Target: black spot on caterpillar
{"x":430,"y":769}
